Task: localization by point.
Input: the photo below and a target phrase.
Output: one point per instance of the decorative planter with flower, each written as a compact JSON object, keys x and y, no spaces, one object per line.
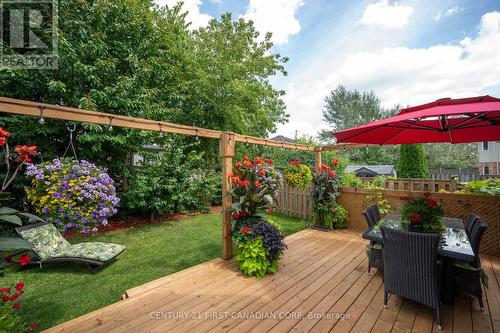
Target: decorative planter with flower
{"x":74,"y":195}
{"x":297,"y":175}
{"x":259,"y":242}
{"x":328,"y":214}
{"x":423,"y":213}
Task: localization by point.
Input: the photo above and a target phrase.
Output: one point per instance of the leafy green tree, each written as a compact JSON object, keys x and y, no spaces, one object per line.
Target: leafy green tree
{"x":412,"y":162}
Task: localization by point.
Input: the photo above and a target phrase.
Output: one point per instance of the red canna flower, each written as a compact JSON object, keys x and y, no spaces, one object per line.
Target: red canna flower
{"x":415,"y":217}
{"x":262,"y":172}
{"x":3,"y":132}
{"x":4,"y":290}
{"x":24,"y":153}
{"x":13,"y":297}
{"x":32,"y":327}
{"x":16,"y":305}
{"x":247,"y":164}
{"x":245,"y":230}
{"x":269,"y":161}
{"x":258,"y":160}
{"x":2,"y":141}
{"x":23,"y":260}
{"x":269,"y":211}
{"x":257,"y":184}
{"x":5,"y":298}
{"x":335,"y":163}
{"x":246,"y":158}
{"x":19,"y":286}
{"x":238,"y":164}
{"x":235,"y":215}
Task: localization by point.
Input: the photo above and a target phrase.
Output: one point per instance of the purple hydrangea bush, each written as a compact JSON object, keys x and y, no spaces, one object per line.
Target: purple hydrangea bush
{"x":75,"y":195}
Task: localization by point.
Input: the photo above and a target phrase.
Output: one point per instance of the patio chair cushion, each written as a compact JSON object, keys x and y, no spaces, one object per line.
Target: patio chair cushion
{"x":93,"y":250}
{"x":47,"y":241}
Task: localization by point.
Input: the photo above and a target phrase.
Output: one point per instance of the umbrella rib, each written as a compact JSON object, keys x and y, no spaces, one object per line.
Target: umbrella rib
{"x":467,"y":120}
{"x":478,"y":120}
{"x":399,"y":132}
{"x":355,"y":135}
{"x":418,"y":124}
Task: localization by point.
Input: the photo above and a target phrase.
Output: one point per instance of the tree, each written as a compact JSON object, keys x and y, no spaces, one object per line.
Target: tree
{"x":412,"y":162}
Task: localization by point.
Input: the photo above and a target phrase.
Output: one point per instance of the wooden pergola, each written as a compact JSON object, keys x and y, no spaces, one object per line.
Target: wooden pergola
{"x":227,"y":142}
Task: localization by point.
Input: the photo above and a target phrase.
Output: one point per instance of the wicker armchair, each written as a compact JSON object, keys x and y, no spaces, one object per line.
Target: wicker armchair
{"x":373,"y":250}
{"x":411,"y":268}
{"x":471,"y":222}
{"x":467,"y":277}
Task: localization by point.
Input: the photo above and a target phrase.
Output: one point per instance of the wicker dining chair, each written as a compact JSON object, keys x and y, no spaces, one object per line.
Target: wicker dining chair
{"x":471,"y":222}
{"x":411,"y":268}
{"x":467,"y":277}
{"x":375,"y":212}
{"x":374,"y":249}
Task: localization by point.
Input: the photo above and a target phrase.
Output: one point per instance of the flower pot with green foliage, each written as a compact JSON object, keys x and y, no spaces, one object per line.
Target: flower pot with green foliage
{"x":423,"y":213}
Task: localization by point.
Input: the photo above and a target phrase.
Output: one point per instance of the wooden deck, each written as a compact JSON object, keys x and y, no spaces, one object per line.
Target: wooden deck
{"x":322,"y":285}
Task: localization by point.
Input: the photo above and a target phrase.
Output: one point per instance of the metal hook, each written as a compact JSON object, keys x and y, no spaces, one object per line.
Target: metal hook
{"x":110,"y":126}
{"x":161,"y":130}
{"x":41,"y":120}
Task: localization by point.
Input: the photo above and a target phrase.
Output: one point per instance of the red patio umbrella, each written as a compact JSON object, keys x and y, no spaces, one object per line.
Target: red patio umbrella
{"x":460,"y":120}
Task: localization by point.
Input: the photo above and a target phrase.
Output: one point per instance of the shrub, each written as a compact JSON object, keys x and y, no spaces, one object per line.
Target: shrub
{"x":412,"y":162}
{"x":171,"y":182}
{"x":351,"y":180}
{"x":253,"y":258}
{"x":298,"y":175}
{"x":72,"y":194}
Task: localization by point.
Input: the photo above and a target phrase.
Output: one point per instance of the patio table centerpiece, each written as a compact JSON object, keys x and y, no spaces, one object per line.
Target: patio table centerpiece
{"x":423,"y":214}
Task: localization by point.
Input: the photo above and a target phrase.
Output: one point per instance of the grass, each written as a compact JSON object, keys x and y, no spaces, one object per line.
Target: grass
{"x":60,"y":292}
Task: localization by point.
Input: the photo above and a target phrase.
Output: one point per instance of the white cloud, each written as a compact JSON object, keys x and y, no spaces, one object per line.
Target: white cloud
{"x":447,"y":13}
{"x":400,"y":75}
{"x":383,"y":14}
{"x":194,"y":16}
{"x":276,"y":16}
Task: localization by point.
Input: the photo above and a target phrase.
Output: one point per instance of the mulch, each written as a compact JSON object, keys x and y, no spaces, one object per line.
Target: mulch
{"x":129,"y":222}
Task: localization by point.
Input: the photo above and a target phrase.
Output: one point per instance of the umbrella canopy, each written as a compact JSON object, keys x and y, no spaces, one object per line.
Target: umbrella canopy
{"x":461,"y":120}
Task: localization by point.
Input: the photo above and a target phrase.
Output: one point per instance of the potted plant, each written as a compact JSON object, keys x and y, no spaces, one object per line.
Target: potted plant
{"x":328,"y":214}
{"x":423,"y":213}
{"x":259,"y":242}
{"x":297,"y":175}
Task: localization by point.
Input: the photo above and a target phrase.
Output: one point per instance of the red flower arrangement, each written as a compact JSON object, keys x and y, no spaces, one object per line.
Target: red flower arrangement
{"x":10,"y":300}
{"x":424,"y":212}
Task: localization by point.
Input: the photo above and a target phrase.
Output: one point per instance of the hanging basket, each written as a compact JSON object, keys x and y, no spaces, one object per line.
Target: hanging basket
{"x":298,"y":175}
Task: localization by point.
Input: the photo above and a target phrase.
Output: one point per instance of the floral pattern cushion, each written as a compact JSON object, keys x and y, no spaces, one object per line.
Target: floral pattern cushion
{"x":93,"y":250}
{"x":47,"y":241}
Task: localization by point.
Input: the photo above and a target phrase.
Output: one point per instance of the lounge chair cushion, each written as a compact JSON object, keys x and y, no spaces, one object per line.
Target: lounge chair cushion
{"x":48,"y":243}
{"x":93,"y":250}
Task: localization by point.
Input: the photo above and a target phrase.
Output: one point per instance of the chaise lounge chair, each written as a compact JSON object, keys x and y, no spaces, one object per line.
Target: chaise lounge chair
{"x":50,"y":246}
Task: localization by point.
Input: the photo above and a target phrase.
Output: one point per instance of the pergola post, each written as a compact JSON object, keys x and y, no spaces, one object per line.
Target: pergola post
{"x":317,"y":158}
{"x":226,"y":154}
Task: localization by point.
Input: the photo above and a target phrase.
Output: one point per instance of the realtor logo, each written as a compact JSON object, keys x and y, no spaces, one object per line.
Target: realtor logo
{"x":28,"y":34}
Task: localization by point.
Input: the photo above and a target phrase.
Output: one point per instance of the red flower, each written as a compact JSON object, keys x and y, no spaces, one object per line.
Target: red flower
{"x":258,"y":160}
{"x":13,"y":297}
{"x":269,"y":211}
{"x":245,"y":230}
{"x":335,"y":163}
{"x":262,"y":172}
{"x":19,"y":286}
{"x":32,"y":327}
{"x":16,"y":305}
{"x":24,"y":153}
{"x":257,"y":184}
{"x":23,"y":260}
{"x":4,"y":290}
{"x":269,"y":161}
{"x":243,"y":213}
{"x":2,"y":141}
{"x":415,"y":217}
{"x":5,"y":298}
{"x":432,"y":203}
{"x":246,"y":158}
{"x":247,"y":164}
{"x":4,"y":132}
{"x":238,"y":164}
{"x":235,"y":215}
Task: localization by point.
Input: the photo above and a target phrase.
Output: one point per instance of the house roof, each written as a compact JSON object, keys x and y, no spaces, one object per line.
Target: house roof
{"x":282,"y":138}
{"x":387,"y":169}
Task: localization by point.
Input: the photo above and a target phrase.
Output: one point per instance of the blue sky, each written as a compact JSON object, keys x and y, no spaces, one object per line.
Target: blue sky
{"x":408,"y":52}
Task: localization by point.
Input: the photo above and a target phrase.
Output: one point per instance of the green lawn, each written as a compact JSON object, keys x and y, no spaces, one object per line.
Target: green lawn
{"x":60,"y":292}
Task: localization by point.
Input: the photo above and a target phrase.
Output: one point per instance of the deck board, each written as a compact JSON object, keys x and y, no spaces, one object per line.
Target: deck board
{"x":322,"y":286}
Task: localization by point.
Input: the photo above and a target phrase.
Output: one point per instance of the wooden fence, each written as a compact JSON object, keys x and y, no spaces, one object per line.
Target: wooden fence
{"x":293,"y":202}
{"x":425,"y":185}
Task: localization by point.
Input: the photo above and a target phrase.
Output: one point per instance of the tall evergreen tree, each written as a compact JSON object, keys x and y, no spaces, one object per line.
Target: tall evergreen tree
{"x":412,"y":162}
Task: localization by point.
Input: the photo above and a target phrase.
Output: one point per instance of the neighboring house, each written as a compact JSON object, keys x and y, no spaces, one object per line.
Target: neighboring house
{"x":489,"y":158}
{"x":282,"y":138}
{"x":463,"y":174}
{"x":372,"y":170}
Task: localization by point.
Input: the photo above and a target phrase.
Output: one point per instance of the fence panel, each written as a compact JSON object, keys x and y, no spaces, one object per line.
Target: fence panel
{"x":295,"y":203}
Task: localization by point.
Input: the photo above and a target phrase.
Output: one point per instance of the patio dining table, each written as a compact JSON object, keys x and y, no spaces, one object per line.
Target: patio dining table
{"x":454,"y":243}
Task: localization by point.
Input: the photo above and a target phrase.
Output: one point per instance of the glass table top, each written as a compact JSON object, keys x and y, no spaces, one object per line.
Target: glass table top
{"x":454,"y":241}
